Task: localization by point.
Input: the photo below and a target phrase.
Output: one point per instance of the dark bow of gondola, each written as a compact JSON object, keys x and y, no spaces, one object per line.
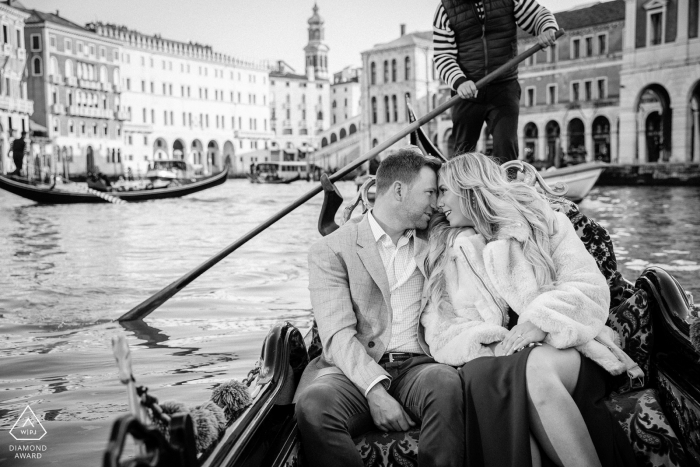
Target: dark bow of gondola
{"x":56,"y":195}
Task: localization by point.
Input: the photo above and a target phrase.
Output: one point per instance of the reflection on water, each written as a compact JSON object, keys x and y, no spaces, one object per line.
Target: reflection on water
{"x":67,"y":271}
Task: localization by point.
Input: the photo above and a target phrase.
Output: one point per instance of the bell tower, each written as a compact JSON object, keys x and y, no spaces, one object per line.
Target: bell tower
{"x":316,"y":50}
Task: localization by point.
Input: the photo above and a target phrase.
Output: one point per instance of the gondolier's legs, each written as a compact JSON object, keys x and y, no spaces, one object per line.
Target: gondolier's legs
{"x":332,"y":410}
{"x":498,"y":106}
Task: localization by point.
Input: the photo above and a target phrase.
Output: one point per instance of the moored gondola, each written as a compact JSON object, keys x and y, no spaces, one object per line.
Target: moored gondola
{"x":74,"y":193}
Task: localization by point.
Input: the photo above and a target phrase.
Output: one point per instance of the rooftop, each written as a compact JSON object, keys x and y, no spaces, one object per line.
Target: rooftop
{"x":588,"y":15}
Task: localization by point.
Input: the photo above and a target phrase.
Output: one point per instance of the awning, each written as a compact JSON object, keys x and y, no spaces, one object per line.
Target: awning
{"x":33,"y":126}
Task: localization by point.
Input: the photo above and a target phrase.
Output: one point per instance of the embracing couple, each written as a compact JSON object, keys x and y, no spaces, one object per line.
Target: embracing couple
{"x":464,"y":305}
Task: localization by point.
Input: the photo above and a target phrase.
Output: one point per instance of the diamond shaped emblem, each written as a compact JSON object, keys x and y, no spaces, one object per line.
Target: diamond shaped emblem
{"x":28,"y":427}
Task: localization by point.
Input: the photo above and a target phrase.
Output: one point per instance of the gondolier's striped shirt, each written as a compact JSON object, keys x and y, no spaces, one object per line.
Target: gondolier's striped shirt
{"x":529,"y":15}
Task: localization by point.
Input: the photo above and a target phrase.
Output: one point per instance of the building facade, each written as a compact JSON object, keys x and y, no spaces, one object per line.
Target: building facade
{"x":74,"y":81}
{"x":346,"y":95}
{"x":391,"y":72}
{"x":188,"y":102}
{"x":570,"y":92}
{"x":660,"y":106}
{"x":15,"y":106}
{"x":299,"y":103}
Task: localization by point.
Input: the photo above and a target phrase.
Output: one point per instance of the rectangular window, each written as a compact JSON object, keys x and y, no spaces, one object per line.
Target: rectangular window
{"x":144,"y":115}
{"x":164,"y":89}
{"x":92,"y":50}
{"x":5,"y":34}
{"x":602,"y":44}
{"x":589,"y":46}
{"x":656,"y":28}
{"x":143,"y":86}
{"x":153,"y":116}
{"x":153,"y":87}
{"x":530,"y":97}
{"x":128,"y":84}
{"x":19,"y":38}
{"x":693,"y":18}
{"x":574,"y":92}
{"x":52,"y":42}
{"x":602,"y":89}
{"x":35,"y":38}
{"x":552,"y":53}
{"x":588,"y":90}
{"x":575,"y":49}
{"x":103,"y":52}
{"x":165,"y":117}
{"x":551,"y":94}
{"x":68,"y":45}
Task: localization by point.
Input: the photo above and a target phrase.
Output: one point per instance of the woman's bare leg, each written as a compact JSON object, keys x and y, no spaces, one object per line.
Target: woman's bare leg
{"x":555,"y":420}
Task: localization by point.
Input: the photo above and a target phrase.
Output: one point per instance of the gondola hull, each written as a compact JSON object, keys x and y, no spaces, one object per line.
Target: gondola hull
{"x":58,"y":196}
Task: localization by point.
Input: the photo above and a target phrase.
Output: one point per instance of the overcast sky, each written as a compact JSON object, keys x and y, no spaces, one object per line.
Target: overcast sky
{"x":265,"y":29}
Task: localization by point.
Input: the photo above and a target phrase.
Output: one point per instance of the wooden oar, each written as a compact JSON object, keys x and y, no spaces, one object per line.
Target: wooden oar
{"x":145,"y":308}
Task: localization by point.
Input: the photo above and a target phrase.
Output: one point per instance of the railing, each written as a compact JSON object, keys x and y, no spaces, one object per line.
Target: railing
{"x":58,"y":109}
{"x":17,"y":105}
{"x":21,"y":54}
{"x":122,"y":115}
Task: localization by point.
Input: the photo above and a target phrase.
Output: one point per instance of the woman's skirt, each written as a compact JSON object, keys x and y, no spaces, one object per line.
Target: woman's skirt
{"x":498,"y":420}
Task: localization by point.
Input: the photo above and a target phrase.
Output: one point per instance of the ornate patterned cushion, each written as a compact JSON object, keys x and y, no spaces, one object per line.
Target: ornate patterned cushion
{"x":592,"y":234}
{"x":639,"y":413}
{"x":395,"y":449}
{"x":654,"y":441}
{"x":632,"y":321}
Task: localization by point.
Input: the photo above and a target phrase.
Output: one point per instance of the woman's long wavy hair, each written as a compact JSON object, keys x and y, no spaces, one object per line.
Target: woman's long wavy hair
{"x":492,"y":202}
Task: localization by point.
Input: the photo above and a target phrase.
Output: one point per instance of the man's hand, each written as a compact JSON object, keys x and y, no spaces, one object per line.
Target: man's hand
{"x":386,"y":411}
{"x":467,"y":90}
{"x":547,"y":38}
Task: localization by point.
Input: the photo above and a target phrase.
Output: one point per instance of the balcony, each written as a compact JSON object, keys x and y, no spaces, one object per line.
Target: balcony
{"x":71,"y":81}
{"x":286,"y":123}
{"x":117,"y":88}
{"x":21,"y":54}
{"x":253,"y":134}
{"x":123,"y":115}
{"x":7,"y":49}
{"x":92,"y":112}
{"x":16,"y":105}
{"x":55,"y":79}
{"x":58,"y":109}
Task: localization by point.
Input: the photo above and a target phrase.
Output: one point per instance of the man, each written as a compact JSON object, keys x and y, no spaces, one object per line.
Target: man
{"x":19,"y":148}
{"x":366,"y":281}
{"x":471,"y":39}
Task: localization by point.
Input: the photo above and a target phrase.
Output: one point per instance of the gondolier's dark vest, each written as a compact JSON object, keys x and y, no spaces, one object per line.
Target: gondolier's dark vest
{"x":481,"y":48}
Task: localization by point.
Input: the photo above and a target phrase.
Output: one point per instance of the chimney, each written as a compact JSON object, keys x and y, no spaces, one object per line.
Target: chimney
{"x":58,"y":13}
{"x":403,"y":29}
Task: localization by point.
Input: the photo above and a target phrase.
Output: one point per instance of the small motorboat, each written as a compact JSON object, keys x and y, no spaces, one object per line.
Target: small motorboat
{"x":278,"y":172}
{"x":164,"y":173}
{"x":70,"y":193}
{"x":579,"y":178}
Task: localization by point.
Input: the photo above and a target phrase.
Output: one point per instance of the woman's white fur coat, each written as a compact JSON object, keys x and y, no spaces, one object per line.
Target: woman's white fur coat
{"x":484,"y":279}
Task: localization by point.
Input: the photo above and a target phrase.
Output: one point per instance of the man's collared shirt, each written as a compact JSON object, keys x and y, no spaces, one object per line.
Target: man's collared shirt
{"x":405,"y":287}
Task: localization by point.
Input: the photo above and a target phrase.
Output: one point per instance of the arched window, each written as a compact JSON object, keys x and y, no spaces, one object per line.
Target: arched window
{"x":320,"y":116}
{"x":386,"y":71}
{"x":54,"y":67}
{"x":395,"y":106}
{"x":324,"y":142}
{"x":71,"y":129}
{"x":353,"y":129}
{"x":69,"y":68}
{"x":373,"y":73}
{"x":103,"y":74}
{"x":393,"y":70}
{"x":334,"y":138}
{"x":342,"y":134}
{"x":116,"y":76}
{"x":407,"y":68}
{"x":374,"y":110}
{"x":36,"y":66}
{"x":387,"y":110}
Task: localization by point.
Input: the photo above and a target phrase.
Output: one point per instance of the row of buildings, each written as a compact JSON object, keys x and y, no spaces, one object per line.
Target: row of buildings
{"x":103,"y":97}
{"x":621,"y":86}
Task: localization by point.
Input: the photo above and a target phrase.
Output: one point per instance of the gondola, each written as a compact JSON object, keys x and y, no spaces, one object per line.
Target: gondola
{"x":254,"y":178}
{"x":56,"y":195}
{"x":655,"y":316}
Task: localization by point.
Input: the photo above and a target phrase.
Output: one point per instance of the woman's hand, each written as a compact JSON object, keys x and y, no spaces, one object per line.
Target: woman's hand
{"x":521,"y":335}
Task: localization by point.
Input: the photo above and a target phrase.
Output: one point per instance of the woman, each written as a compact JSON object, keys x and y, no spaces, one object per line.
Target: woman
{"x":498,"y":245}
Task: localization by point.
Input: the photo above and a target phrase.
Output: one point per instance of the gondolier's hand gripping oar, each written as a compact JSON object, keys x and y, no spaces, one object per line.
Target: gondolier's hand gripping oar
{"x":145,"y":308}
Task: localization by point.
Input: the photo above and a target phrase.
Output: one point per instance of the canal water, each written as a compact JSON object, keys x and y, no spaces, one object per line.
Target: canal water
{"x":67,"y":271}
